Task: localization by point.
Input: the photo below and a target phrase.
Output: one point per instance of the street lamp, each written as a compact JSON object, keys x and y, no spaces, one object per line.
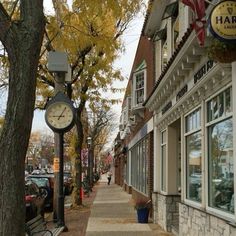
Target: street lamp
{"x":89,"y":141}
{"x":58,"y":64}
{"x":59,"y":116}
{"x":90,"y":161}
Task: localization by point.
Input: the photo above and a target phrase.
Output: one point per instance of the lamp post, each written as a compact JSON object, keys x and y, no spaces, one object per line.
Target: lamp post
{"x":60,"y":209}
{"x":60,"y":118}
{"x":90,"y":164}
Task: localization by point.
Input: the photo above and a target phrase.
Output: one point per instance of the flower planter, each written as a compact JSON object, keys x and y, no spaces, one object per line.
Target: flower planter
{"x":222,"y":51}
{"x":142,"y":215}
{"x":225,"y":56}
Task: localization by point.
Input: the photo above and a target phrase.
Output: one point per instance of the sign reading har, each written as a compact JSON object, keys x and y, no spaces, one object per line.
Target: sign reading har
{"x":223,"y":21}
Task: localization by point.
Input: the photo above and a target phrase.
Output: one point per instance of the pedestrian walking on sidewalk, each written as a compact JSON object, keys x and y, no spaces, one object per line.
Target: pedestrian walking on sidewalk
{"x":109,"y":174}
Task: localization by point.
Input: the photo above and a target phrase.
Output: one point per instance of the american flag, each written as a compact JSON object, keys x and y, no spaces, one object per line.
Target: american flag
{"x":198,"y":8}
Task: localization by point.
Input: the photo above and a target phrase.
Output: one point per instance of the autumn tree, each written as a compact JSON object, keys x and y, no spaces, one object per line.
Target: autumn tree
{"x":47,"y":148}
{"x":101,"y":124}
{"x":41,"y":146}
{"x":90,"y":33}
{"x":21,"y":35}
{"x":33,"y":151}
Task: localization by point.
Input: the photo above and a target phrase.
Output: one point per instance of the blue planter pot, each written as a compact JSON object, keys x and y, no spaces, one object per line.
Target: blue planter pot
{"x":143,"y":215}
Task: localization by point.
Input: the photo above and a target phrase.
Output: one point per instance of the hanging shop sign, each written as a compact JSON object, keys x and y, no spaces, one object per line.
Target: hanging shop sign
{"x":223,"y":21}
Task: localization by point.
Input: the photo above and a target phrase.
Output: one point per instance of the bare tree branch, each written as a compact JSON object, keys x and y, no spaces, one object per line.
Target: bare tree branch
{"x":13,"y":8}
{"x":5,"y":26}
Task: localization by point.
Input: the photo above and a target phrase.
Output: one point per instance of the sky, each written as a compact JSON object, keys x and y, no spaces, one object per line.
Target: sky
{"x":125,"y":62}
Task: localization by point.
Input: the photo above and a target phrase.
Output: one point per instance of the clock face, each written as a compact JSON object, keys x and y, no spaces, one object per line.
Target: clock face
{"x":59,"y":115}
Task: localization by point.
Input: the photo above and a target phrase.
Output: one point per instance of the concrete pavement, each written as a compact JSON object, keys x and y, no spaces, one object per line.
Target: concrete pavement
{"x":112,"y":213}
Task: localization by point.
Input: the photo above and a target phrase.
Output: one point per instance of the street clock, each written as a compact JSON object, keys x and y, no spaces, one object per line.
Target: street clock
{"x":60,"y":113}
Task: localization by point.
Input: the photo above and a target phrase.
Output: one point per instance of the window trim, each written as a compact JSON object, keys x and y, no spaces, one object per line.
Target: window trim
{"x":209,"y":209}
{"x":144,"y":71}
{"x":186,"y":134}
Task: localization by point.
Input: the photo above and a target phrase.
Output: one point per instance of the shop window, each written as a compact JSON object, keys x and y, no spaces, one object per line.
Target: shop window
{"x":221,"y":174}
{"x":220,"y":152}
{"x":194,"y":156}
{"x":163,"y":161}
{"x":193,"y":121}
{"x":139,"y":159}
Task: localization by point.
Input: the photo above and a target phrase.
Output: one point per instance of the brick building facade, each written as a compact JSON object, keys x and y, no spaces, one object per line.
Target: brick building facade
{"x":134,"y":143}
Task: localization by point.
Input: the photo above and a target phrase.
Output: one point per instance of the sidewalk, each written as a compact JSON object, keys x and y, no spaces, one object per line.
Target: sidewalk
{"x":107,"y":211}
{"x":76,"y":218}
{"x":113,"y":214}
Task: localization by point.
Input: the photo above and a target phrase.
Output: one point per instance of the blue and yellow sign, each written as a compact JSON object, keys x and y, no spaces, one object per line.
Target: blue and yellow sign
{"x":223,"y":21}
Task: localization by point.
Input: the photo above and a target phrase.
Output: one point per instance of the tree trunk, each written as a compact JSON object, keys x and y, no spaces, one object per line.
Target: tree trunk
{"x":22,"y":41}
{"x":76,"y":195}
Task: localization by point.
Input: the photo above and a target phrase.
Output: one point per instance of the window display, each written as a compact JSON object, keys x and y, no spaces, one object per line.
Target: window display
{"x":194,"y":177}
{"x":221,"y":181}
{"x":194,"y":156}
{"x":220,"y":152}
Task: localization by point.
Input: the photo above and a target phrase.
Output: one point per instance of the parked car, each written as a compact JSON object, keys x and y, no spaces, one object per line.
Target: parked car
{"x":46,"y":182}
{"x":68,"y":185}
{"x":34,"y":200}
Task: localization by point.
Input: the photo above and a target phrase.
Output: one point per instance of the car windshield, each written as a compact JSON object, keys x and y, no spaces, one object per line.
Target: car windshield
{"x":41,"y":182}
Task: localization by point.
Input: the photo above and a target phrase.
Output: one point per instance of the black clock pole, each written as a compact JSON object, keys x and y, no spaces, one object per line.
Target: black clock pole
{"x":61,"y":219}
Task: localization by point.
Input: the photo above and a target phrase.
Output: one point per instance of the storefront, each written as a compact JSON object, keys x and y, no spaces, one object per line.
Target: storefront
{"x":194,"y":158}
{"x":139,"y":166}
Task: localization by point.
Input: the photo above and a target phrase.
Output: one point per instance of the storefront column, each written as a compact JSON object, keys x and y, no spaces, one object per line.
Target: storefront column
{"x":171,"y":155}
{"x":183,"y":162}
{"x":155,"y":161}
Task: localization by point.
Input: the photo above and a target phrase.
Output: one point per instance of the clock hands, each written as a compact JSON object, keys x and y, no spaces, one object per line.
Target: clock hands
{"x":57,"y":116}
{"x":61,"y":114}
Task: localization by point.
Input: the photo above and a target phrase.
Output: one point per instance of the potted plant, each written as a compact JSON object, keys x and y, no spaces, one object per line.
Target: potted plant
{"x":224,"y":52}
{"x":142,"y":207}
